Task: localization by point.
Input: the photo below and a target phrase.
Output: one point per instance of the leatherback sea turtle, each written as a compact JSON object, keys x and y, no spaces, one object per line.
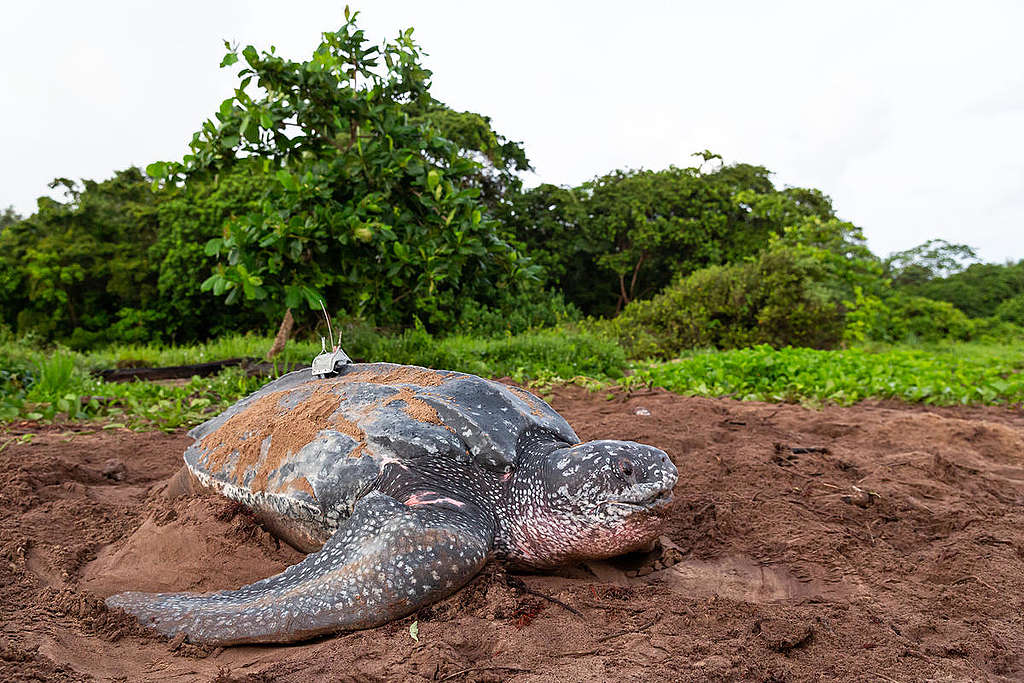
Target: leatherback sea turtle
{"x":401,"y":482}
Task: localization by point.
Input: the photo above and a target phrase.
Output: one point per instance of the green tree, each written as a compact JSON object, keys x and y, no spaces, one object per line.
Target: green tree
{"x":9,"y":217}
{"x":188,"y":218}
{"x":626,"y":235}
{"x":70,"y":269}
{"x":373,"y":207}
{"x":978,"y":290}
{"x":928,"y":261}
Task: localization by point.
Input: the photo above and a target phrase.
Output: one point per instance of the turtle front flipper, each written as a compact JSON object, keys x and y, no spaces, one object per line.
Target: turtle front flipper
{"x":386,"y":561}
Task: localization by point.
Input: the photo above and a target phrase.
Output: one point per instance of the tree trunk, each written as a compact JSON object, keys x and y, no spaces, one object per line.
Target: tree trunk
{"x":283,"y":333}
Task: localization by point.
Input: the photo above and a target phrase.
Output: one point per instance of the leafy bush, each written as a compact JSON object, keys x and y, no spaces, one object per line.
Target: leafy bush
{"x":778,"y":299}
{"x":997,"y":331}
{"x":978,"y":290}
{"x":1012,"y":310}
{"x":515,"y":313}
{"x":904,"y":318}
{"x":963,"y":373}
{"x":915,"y":317}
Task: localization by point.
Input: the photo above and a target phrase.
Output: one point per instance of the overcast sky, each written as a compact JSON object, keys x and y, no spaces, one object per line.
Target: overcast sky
{"x":910,"y":115}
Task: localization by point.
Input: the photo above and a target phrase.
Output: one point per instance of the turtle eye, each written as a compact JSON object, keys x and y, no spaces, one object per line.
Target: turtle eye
{"x":626,"y":466}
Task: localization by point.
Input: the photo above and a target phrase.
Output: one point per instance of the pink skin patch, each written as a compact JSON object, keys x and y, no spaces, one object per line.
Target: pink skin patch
{"x":429,"y":498}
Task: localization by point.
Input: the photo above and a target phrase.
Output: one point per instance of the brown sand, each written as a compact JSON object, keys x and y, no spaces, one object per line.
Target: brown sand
{"x":892,"y":549}
{"x":288,"y":429}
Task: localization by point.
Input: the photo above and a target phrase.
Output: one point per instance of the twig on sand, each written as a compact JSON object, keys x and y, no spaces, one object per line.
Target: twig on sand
{"x":972,"y":577}
{"x":616,"y":607}
{"x":514,"y":669}
{"x":627,"y":631}
{"x":521,"y":585}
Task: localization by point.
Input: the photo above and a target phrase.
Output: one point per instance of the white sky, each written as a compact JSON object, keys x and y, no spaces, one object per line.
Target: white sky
{"x":910,"y":115}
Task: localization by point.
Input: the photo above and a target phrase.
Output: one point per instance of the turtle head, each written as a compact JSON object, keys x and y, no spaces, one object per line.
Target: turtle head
{"x":600,"y":499}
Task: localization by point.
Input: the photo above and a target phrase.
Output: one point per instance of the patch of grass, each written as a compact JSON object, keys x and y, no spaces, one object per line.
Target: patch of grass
{"x":946,"y":374}
{"x":54,"y":384}
{"x":55,"y":375}
{"x":233,"y":346}
{"x":50,"y":384}
{"x":530,"y":356}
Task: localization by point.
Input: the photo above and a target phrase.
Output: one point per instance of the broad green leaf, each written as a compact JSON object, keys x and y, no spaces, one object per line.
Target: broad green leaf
{"x":433,"y":178}
{"x":157,"y":170}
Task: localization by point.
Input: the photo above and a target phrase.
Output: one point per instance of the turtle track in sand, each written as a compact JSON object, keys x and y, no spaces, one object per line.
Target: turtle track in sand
{"x":850,"y":543}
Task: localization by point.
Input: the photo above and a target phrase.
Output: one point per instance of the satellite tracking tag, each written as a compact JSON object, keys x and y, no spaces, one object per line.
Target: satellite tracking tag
{"x":327,"y":362}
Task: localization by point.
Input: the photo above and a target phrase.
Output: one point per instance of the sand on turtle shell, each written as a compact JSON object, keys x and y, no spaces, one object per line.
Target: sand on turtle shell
{"x":242,"y":436}
{"x":259,"y":438}
{"x":400,"y":374}
{"x":888,"y":545}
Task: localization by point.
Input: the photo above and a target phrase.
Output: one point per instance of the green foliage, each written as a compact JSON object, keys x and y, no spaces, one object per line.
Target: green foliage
{"x":626,"y":235}
{"x":515,"y":313}
{"x":933,"y":259}
{"x":118,"y":262}
{"x":777,"y":299}
{"x":841,"y":251}
{"x":373,"y":207}
{"x":918,"y":318}
{"x":954,"y":374}
{"x":158,"y":355}
{"x":9,"y":217}
{"x":997,"y":332}
{"x":978,"y":290}
{"x":539,"y":355}
{"x":55,"y":375}
{"x":69,"y":268}
{"x":189,"y":217}
{"x":57,"y":384}
{"x":904,"y":318}
{"x":498,"y":158}
{"x":1012,"y":310}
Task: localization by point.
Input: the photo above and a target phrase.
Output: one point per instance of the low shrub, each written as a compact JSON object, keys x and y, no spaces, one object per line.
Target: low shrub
{"x":517,"y":313}
{"x":947,"y":374}
{"x":1012,"y":310}
{"x":776,"y":300}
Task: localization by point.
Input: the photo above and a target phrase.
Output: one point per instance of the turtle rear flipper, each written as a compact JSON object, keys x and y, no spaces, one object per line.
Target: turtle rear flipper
{"x":386,"y":561}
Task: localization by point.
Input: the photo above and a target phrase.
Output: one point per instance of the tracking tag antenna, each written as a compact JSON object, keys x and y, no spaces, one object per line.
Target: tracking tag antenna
{"x":330,"y":332}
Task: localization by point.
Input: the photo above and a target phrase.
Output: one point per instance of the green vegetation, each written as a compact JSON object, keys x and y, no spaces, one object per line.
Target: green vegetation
{"x":944,"y":375}
{"x":625,"y":235}
{"x":340,"y":176}
{"x":42,"y":385}
{"x":367,"y":202}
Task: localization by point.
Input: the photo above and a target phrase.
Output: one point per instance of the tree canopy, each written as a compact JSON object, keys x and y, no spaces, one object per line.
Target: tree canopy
{"x":625,"y":235}
{"x":371,"y":206}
